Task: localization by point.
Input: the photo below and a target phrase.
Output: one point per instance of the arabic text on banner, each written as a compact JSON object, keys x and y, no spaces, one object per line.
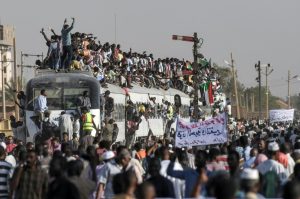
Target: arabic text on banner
{"x":211,"y":131}
{"x":281,"y":115}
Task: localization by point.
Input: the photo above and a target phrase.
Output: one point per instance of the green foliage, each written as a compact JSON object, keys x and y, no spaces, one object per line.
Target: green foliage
{"x":295,"y":101}
{"x":225,"y":74}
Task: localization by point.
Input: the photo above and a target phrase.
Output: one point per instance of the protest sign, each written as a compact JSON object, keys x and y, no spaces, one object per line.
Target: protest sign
{"x":211,"y":131}
{"x":282,"y":115}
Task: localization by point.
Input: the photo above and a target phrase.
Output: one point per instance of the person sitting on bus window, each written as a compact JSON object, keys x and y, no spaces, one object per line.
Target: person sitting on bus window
{"x":40,"y":104}
{"x":84,"y":100}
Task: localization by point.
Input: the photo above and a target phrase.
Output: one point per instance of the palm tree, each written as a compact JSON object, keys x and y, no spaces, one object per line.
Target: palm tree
{"x":10,"y":89}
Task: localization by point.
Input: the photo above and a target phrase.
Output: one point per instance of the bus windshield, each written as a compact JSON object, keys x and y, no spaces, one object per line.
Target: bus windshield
{"x":61,"y":98}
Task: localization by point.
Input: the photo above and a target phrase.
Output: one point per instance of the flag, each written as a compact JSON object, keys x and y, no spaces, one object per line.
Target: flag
{"x":210,"y":94}
{"x":206,"y":96}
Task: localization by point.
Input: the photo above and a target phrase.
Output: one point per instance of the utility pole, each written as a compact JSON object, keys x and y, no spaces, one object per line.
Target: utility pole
{"x":16,"y":80}
{"x":267,"y":89}
{"x":22,"y":68}
{"x":289,"y":88}
{"x":196,"y":83}
{"x":252,"y":102}
{"x":196,"y":41}
{"x":258,"y":68}
{"x":3,"y":88}
{"x":289,"y":97}
{"x":235,"y":88}
{"x":22,"y":64}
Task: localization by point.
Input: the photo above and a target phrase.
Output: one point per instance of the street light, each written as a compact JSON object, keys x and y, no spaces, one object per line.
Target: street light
{"x":235,"y":86}
{"x":288,"y":80}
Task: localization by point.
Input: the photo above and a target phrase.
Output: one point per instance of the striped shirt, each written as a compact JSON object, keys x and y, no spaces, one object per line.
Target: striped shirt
{"x":5,"y":174}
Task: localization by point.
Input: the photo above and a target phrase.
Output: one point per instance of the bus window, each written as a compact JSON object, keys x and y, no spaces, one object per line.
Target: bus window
{"x":119,"y":113}
{"x":54,"y":99}
{"x":71,"y":96}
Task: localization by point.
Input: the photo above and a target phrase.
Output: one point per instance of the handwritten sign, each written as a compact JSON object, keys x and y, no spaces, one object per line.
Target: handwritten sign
{"x":211,"y":131}
{"x":282,"y":115}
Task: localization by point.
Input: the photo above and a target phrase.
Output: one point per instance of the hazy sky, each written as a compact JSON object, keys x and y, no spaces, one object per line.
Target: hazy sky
{"x":266,"y":30}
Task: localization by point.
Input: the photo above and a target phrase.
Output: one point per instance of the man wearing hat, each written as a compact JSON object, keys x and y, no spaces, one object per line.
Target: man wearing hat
{"x":109,"y":170}
{"x":271,"y":164}
{"x":250,"y":184}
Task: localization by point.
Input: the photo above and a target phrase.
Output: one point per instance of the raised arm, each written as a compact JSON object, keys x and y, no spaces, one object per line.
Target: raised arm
{"x":72,"y":25}
{"x":53,"y":32}
{"x":44,"y":35}
{"x":175,"y":173}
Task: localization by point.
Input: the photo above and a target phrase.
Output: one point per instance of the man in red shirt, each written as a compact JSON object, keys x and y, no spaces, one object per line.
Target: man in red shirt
{"x":10,"y":144}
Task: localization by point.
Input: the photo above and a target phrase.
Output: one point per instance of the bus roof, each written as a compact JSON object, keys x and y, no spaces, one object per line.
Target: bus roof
{"x":43,"y":72}
{"x":143,"y":90}
{"x":60,"y":78}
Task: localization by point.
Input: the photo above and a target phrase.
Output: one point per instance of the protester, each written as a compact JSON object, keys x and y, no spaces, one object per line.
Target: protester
{"x":30,"y":181}
{"x":249,"y":164}
{"x":67,"y":45}
{"x":40,"y":105}
{"x":6,"y":175}
{"x":65,"y":125}
{"x":60,"y":186}
{"x":163,"y":187}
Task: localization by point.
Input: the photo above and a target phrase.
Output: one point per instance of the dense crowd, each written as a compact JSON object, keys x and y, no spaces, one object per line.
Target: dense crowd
{"x":110,"y":64}
{"x":258,"y":161}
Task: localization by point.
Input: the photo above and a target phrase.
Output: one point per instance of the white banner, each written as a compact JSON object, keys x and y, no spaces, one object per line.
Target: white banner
{"x":211,"y":131}
{"x":281,"y":115}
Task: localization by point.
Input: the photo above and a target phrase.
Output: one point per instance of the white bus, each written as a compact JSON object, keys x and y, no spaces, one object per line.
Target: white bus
{"x":139,"y":95}
{"x":63,"y":90}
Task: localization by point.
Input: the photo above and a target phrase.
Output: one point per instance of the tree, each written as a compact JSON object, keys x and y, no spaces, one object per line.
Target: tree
{"x":10,"y":90}
{"x":295,"y":101}
{"x":226,"y":80}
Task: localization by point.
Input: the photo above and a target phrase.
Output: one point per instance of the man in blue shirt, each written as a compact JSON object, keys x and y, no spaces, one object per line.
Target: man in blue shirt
{"x":188,"y":174}
{"x":67,"y":45}
{"x":40,"y":104}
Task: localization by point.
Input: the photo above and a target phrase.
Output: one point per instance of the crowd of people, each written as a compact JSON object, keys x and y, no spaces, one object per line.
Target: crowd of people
{"x":258,"y":161}
{"x":110,"y":64}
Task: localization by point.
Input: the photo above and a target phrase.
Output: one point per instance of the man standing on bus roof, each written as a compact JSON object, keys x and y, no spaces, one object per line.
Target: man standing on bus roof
{"x":67,"y":45}
{"x":40,"y":104}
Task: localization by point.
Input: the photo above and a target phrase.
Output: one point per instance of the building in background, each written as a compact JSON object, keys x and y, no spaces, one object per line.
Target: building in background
{"x":7,"y":34}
